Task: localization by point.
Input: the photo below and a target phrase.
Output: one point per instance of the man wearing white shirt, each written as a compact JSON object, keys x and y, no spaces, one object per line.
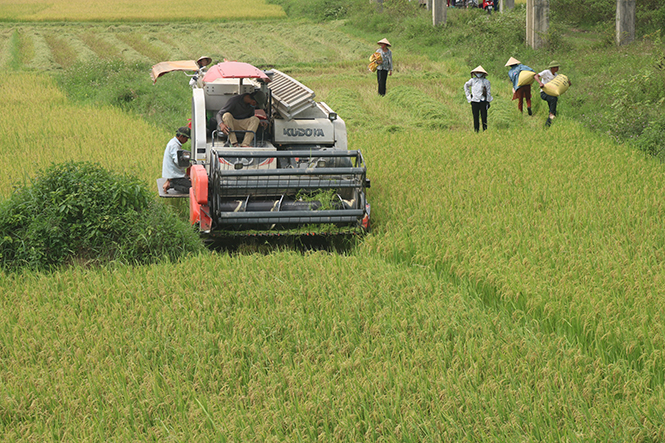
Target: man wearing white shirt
{"x":543,"y":78}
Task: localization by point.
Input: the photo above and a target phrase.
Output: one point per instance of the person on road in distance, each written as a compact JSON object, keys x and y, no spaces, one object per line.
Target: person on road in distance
{"x":176,"y":176}
{"x":543,"y":78}
{"x":238,"y":114}
{"x":386,"y":67}
{"x":523,"y":92}
{"x":478,"y":93}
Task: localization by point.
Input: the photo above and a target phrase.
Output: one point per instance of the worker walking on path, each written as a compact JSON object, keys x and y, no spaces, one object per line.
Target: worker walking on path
{"x":543,"y":78}
{"x":176,"y":176}
{"x":521,"y":92}
{"x":479,"y":95}
{"x":386,"y":67}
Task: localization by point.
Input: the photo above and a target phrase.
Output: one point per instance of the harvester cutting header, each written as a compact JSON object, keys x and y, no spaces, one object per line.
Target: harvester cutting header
{"x":293,"y":168}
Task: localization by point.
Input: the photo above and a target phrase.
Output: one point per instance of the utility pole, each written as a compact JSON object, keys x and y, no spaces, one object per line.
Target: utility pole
{"x":439,"y":11}
{"x":537,"y":22}
{"x":625,"y":21}
{"x":506,"y":5}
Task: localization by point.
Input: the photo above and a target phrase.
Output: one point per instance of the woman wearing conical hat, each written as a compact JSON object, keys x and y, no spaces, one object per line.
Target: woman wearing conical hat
{"x":521,"y":92}
{"x":479,"y":95}
{"x":386,"y":67}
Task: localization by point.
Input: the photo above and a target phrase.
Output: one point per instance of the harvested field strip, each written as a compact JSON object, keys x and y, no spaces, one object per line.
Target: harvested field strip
{"x":101,"y":47}
{"x":143,"y":47}
{"x":258,"y":43}
{"x":6,"y":48}
{"x":23,"y":49}
{"x":63,"y":54}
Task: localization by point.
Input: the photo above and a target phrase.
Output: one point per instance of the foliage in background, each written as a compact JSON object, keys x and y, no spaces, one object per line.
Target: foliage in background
{"x":81,"y":213}
{"x":650,"y":14}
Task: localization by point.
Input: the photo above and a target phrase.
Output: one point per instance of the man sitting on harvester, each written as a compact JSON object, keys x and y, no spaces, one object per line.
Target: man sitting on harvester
{"x":175,"y":175}
{"x":238,"y":114}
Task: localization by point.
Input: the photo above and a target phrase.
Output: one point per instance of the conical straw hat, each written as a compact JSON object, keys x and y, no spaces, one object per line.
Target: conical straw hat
{"x":382,"y":41}
{"x":512,"y":61}
{"x":479,"y":69}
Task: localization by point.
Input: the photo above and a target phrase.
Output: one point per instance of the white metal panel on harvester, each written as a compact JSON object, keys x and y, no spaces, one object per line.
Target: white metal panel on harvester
{"x":198,"y":140}
{"x":289,"y":95}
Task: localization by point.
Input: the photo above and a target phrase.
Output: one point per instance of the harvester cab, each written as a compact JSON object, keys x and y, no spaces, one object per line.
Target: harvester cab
{"x":298,"y":174}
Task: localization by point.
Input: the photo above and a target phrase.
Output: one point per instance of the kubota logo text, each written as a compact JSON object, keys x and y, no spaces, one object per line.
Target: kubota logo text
{"x":304,"y":132}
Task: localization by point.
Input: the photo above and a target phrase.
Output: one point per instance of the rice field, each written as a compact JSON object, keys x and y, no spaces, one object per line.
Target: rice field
{"x":128,"y":10}
{"x":511,"y":288}
{"x":54,"y":46}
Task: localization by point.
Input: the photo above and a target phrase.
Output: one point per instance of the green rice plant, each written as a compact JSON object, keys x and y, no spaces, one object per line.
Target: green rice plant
{"x":325,"y":198}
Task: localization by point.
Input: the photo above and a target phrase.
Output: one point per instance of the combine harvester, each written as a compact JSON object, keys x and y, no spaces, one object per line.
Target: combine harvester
{"x":299,"y":178}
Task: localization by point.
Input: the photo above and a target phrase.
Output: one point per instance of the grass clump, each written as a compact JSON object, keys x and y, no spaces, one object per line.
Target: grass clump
{"x":82,"y":213}
{"x":426,"y":111}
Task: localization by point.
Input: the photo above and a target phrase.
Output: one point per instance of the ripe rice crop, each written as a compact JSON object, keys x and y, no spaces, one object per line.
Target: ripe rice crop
{"x":295,"y":347}
{"x":556,"y":229}
{"x":128,"y":10}
{"x":37,"y":132}
{"x":511,"y":289}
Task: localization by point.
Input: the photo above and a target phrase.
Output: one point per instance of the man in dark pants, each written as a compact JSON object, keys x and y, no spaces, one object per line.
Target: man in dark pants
{"x":543,"y":78}
{"x":386,"y":67}
{"x":479,"y":95}
{"x":176,"y":176}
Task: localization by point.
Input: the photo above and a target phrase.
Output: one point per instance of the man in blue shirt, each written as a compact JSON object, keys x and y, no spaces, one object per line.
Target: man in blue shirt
{"x":176,"y":176}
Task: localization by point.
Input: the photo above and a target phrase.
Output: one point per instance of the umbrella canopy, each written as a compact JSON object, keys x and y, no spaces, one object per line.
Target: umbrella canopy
{"x":234,"y":70}
{"x":165,"y":67}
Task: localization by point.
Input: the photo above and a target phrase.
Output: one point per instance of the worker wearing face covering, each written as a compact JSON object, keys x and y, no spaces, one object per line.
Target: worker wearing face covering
{"x":479,"y":95}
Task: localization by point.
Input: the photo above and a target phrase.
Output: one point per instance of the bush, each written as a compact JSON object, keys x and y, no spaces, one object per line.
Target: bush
{"x":638,"y":104}
{"x":81,"y":213}
{"x":652,"y":140}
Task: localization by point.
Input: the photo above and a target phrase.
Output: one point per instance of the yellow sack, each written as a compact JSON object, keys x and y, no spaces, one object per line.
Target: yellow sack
{"x":525,"y":78}
{"x":557,"y":86}
{"x":374,"y":61}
